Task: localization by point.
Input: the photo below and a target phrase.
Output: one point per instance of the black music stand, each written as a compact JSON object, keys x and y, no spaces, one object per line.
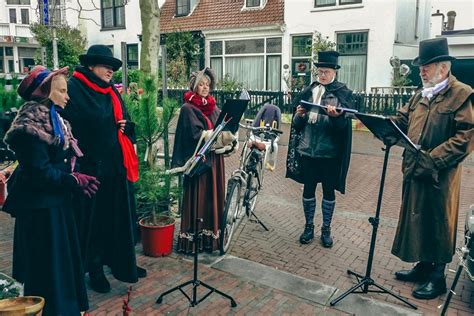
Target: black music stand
{"x":386,"y":130}
{"x":196,"y":161}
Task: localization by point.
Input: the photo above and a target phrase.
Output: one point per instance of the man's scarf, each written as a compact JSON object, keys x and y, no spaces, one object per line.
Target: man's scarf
{"x":130,"y":159}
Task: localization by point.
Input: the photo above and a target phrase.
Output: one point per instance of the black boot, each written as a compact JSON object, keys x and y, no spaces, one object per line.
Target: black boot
{"x":98,"y":282}
{"x":435,"y":286}
{"x":308,"y":234}
{"x":326,"y":239}
{"x":419,"y":273}
{"x":141,"y":272}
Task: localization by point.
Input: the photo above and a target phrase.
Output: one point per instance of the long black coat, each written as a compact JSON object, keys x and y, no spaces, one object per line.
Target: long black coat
{"x":46,"y":253}
{"x":107,"y":222}
{"x":293,"y":167}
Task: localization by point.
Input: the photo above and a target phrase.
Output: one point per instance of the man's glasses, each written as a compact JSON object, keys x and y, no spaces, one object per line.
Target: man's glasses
{"x":323,"y":73}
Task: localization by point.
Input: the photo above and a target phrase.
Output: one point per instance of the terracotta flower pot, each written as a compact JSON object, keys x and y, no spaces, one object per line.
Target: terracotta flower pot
{"x":27,"y":305}
{"x":157,"y":241}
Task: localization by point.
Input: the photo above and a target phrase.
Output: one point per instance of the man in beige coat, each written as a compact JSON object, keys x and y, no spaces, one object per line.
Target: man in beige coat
{"x":440,"y":119}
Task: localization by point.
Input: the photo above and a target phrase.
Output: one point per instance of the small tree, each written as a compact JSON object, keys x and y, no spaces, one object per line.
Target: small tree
{"x":183,"y":46}
{"x":70,"y":41}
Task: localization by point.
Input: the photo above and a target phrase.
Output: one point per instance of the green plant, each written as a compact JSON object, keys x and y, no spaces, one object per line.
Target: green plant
{"x":183,"y":46}
{"x":154,"y":195}
{"x":9,"y":98}
{"x":9,"y":287}
{"x":133,"y":76}
{"x":70,"y":43}
{"x":229,"y":84}
{"x":155,"y":192}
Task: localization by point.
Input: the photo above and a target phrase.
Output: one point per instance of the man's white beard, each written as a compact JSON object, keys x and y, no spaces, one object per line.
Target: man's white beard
{"x":437,"y":78}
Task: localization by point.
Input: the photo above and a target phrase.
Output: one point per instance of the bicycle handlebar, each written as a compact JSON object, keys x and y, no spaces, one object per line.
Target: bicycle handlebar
{"x":261,"y":129}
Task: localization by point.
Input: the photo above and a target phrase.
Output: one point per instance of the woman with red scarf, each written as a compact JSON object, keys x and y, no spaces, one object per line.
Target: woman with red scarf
{"x":204,"y":192}
{"x":106,"y":135}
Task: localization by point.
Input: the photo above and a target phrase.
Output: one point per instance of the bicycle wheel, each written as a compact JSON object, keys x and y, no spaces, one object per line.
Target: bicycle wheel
{"x":254,"y":182}
{"x":231,"y":209}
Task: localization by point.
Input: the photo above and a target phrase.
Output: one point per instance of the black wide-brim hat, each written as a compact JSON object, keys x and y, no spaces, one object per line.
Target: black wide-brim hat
{"x":328,"y":59}
{"x":432,"y":51}
{"x":100,"y":55}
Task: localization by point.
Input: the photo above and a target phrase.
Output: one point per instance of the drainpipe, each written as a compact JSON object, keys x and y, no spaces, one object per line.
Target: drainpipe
{"x":451,"y":17}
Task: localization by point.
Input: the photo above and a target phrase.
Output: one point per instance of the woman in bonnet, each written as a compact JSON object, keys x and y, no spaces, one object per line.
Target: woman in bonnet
{"x":204,"y":192}
{"x":46,"y":253}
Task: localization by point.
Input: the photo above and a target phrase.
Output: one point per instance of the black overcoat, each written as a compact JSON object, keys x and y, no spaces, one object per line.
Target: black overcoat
{"x":107,"y":222}
{"x":293,"y":167}
{"x":46,"y":252}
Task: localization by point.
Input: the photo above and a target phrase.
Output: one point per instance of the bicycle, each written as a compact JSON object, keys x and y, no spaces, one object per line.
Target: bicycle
{"x":246,"y":181}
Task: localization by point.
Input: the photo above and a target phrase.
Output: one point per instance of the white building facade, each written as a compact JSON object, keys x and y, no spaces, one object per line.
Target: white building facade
{"x":17,"y":45}
{"x":366,"y":32}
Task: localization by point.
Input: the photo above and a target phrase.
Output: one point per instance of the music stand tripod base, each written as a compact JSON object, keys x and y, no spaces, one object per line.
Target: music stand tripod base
{"x":193,"y":301}
{"x":365,"y":281}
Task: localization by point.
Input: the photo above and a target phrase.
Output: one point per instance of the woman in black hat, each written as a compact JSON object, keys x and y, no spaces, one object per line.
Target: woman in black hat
{"x":320,"y":145}
{"x":103,"y":127}
{"x":46,"y":253}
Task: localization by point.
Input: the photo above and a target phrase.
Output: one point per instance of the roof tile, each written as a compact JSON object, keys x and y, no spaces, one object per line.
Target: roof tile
{"x":220,"y":14}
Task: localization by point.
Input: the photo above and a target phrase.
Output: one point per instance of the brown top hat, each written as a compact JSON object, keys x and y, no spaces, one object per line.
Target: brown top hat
{"x":37,"y":85}
{"x":100,"y":55}
{"x":432,"y":51}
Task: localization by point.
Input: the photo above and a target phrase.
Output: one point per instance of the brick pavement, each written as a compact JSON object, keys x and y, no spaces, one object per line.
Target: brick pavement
{"x":279,"y":207}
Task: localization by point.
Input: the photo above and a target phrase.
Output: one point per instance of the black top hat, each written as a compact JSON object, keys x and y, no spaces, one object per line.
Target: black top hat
{"x":100,"y":55}
{"x":432,"y":51}
{"x":328,"y":59}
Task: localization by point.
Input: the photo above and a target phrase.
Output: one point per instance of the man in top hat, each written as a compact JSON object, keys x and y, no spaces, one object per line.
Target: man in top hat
{"x":102,"y":125}
{"x":320,"y":145}
{"x":439,"y":118}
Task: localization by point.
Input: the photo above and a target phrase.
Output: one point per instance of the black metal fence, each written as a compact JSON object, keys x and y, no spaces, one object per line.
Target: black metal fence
{"x":385,"y":104}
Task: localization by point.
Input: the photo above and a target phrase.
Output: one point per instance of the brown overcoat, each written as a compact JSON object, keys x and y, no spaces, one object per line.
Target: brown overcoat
{"x":444,"y":128}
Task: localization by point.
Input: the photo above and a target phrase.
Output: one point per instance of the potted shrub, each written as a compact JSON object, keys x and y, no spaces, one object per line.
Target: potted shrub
{"x":154,"y":190}
{"x":154,"y":198}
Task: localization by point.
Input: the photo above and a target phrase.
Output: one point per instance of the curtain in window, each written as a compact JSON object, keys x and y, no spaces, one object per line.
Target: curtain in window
{"x":352,"y":71}
{"x":248,"y":70}
{"x":120,"y":16}
{"x":108,"y":17}
{"x":325,"y":2}
{"x":273,"y":73}
{"x":216,"y":65}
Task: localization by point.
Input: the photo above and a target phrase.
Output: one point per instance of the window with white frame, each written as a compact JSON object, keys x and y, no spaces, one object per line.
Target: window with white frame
{"x":352,"y":48}
{"x":19,"y":2}
{"x":113,"y":13}
{"x":183,"y":7}
{"x":301,"y":51}
{"x":254,"y":62}
{"x":328,"y":3}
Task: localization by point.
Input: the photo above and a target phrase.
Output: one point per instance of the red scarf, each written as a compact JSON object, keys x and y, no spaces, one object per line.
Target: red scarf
{"x":206,"y":105}
{"x":130,"y":159}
